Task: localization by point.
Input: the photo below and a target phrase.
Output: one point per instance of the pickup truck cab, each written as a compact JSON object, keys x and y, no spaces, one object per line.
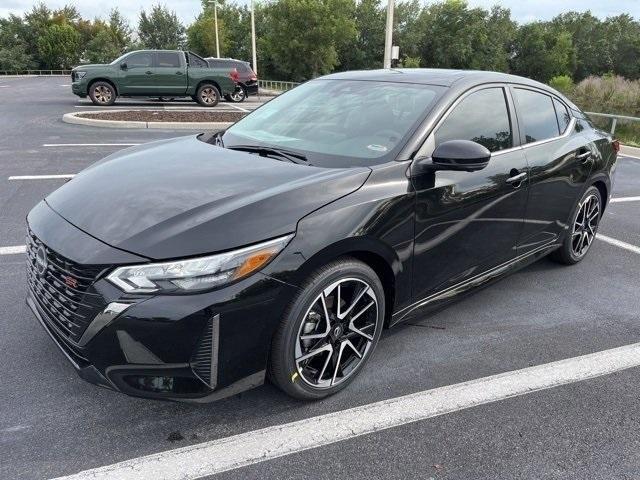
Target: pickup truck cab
{"x":153,"y":73}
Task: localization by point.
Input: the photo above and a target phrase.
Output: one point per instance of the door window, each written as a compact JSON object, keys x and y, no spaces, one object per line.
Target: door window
{"x":142,"y":59}
{"x":482,"y":117}
{"x":168,"y":59}
{"x":539,"y":121}
{"x":563,"y":115}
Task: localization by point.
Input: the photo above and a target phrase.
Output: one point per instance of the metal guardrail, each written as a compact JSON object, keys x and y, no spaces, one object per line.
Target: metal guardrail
{"x":6,"y":73}
{"x":614,"y":119}
{"x":276,"y":85}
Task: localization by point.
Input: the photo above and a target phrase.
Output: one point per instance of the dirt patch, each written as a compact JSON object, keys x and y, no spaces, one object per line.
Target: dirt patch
{"x":165,"y":116}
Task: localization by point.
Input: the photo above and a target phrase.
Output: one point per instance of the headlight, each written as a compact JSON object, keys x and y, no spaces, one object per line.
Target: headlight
{"x":80,"y":75}
{"x":197,"y":273}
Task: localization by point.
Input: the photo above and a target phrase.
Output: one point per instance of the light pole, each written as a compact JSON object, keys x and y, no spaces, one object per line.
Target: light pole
{"x":253,"y":40}
{"x":388,"y":35}
{"x":215,"y":20}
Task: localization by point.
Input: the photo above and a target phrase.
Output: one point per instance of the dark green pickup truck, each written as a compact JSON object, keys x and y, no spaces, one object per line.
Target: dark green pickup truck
{"x":153,"y":73}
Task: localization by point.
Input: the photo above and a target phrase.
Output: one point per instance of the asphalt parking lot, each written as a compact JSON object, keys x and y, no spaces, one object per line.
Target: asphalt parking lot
{"x":54,"y":424}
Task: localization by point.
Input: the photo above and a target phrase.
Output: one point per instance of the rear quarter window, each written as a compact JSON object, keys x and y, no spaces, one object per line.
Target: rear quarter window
{"x":537,"y":115}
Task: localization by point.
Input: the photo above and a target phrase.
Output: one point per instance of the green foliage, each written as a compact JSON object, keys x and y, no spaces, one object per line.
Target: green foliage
{"x":301,"y":39}
{"x":562,"y":83}
{"x":160,"y":29}
{"x":304,"y":36}
{"x":58,"y":46}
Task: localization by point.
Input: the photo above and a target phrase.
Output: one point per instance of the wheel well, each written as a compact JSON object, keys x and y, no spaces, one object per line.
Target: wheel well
{"x":102,"y":80}
{"x":384,"y":272}
{"x":602,"y":188}
{"x":211,"y":82}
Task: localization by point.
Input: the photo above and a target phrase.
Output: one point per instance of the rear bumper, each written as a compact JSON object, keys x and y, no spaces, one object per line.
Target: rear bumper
{"x":251,"y":88}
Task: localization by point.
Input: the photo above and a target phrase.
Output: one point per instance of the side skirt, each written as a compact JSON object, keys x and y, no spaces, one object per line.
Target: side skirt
{"x":483,"y":279}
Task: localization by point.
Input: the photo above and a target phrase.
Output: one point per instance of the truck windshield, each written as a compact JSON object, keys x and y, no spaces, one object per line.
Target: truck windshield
{"x":338,"y":122}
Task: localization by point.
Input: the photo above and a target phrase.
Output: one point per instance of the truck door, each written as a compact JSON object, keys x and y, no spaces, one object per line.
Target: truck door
{"x":170,"y":73}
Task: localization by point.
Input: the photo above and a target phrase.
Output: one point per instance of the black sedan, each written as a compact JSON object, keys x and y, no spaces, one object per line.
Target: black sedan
{"x":196,"y":267}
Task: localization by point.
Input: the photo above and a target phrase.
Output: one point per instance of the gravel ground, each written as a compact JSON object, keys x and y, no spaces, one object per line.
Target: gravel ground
{"x":165,"y":116}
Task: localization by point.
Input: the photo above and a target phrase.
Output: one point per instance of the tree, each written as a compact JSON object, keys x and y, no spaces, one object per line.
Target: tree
{"x":541,"y":52}
{"x":304,"y":36}
{"x":161,"y":29}
{"x":58,"y":46}
{"x":13,"y":49}
{"x":455,"y":36}
{"x":367,"y":49}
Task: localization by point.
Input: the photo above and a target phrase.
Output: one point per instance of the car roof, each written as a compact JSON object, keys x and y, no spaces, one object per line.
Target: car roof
{"x":432,"y":76}
{"x":225,"y":59}
{"x":457,"y":79}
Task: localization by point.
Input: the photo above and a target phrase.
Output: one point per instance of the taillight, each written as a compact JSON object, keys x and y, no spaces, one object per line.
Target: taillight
{"x":253,"y":77}
{"x":616,"y":145}
{"x":234,"y":75}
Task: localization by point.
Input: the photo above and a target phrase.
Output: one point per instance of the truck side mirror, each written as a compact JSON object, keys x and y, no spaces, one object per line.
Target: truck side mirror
{"x":123,"y":66}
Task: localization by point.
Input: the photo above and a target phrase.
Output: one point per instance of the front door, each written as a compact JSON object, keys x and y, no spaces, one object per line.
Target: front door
{"x":138,"y":76}
{"x":560,"y":160}
{"x":468,"y":222}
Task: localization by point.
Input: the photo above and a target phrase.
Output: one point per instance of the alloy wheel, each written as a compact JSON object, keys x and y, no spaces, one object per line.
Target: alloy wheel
{"x":208,"y":95}
{"x":585,"y":225}
{"x":336,"y":333}
{"x":238,"y":95}
{"x":103,"y":94}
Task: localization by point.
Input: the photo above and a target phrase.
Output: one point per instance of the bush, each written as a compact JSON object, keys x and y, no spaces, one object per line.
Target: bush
{"x":562,"y":83}
{"x":611,"y":94}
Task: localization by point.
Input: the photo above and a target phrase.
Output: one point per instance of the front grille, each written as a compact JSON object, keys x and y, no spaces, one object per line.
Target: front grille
{"x":62,"y":290}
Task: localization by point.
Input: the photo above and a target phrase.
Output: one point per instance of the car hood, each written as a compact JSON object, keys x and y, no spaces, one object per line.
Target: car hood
{"x":181,"y":197}
{"x":92,"y":66}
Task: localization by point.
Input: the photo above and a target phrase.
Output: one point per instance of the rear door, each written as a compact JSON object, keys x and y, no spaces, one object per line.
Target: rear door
{"x":560,"y":161}
{"x":469,"y":222}
{"x":170,"y":73}
{"x":137,"y":78}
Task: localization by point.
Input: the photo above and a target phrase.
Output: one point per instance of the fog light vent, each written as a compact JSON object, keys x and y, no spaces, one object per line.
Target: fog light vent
{"x":204,"y":361}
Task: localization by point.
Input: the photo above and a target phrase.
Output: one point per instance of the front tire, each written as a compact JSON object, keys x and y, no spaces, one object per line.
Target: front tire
{"x":329,"y":331}
{"x":102,"y":94}
{"x":583,"y":229}
{"x":208,"y":95}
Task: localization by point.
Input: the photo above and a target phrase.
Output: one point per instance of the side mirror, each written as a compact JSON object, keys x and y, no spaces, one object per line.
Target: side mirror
{"x":123,"y":65}
{"x":463,"y":155}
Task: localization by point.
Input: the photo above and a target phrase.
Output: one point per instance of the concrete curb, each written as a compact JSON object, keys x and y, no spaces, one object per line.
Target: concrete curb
{"x":94,"y":122}
{"x":631,"y":151}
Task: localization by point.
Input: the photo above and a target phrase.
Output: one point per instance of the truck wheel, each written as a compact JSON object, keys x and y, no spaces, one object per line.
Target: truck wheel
{"x":102,"y":93}
{"x":207,"y":95}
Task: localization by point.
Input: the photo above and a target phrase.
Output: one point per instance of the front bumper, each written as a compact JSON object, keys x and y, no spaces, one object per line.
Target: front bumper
{"x":79,"y":88}
{"x":196,"y":347}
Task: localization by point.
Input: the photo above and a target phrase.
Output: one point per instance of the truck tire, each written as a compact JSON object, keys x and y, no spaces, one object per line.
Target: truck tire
{"x":102,"y":93}
{"x":208,"y":95}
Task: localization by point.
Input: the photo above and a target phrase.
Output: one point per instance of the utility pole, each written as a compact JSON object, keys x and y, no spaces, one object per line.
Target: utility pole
{"x":215,"y":20}
{"x":388,"y":35}
{"x":253,"y":40}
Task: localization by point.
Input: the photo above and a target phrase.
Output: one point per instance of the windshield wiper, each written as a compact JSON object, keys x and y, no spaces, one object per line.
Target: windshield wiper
{"x":293,"y":157}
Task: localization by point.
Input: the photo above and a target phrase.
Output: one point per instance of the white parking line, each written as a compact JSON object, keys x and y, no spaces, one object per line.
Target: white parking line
{"x":629,"y":156}
{"x":234,"y":452}
{"x":40,"y":177}
{"x":13,"y":250}
{"x":239,"y":108}
{"x":625,"y":199}
{"x":618,"y":243}
{"x":90,"y":144}
{"x":66,"y":85}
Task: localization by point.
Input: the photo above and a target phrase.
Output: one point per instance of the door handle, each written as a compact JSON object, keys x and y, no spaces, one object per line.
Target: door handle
{"x":517,"y":178}
{"x":178,"y":73}
{"x":584,"y":156}
{"x":149,"y":72}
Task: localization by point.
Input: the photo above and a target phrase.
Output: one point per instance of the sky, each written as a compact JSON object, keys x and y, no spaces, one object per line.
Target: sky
{"x":521,"y":10}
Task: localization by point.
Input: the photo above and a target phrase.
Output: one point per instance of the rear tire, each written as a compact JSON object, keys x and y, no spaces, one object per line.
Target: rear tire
{"x":239,"y":96}
{"x":208,"y":95}
{"x":339,"y":335}
{"x":583,"y":228}
{"x":102,"y":93}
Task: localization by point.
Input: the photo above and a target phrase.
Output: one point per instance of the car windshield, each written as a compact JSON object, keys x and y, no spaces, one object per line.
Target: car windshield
{"x":338,"y":122}
{"x":119,"y":59}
